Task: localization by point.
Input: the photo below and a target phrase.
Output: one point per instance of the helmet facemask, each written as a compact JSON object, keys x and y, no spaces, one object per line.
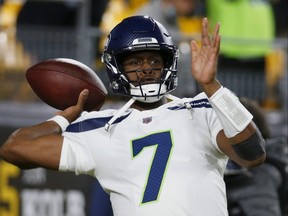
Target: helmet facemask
{"x":153,"y":37}
{"x":150,"y":91}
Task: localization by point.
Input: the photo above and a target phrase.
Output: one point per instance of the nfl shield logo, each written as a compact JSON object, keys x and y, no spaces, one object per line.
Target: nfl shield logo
{"x":147,"y":120}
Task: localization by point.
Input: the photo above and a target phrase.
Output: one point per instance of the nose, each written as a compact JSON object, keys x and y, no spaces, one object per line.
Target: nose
{"x":147,"y":68}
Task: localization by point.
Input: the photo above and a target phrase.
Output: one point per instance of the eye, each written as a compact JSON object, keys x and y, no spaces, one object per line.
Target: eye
{"x":135,"y":62}
{"x":156,"y":62}
{"x":132,"y":62}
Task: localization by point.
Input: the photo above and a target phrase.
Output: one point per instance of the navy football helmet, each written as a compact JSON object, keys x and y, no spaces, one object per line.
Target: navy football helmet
{"x":140,"y":33}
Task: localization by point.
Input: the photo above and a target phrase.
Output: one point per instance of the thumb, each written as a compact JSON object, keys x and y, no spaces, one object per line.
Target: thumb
{"x":82,"y":98}
{"x":71,"y":113}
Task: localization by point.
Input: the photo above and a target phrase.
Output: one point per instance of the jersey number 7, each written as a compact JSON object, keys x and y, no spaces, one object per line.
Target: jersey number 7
{"x":162,"y":142}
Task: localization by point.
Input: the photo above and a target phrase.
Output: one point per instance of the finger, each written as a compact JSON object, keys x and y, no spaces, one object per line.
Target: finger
{"x":215,"y":37}
{"x":205,"y":39}
{"x":215,"y":51}
{"x":194,"y":48}
{"x":217,"y":43}
{"x":82,"y":98}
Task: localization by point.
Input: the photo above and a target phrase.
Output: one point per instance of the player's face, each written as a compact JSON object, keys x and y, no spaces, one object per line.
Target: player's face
{"x":143,"y":67}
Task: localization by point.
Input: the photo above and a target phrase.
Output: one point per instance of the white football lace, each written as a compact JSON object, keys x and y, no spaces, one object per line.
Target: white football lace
{"x":119,"y":113}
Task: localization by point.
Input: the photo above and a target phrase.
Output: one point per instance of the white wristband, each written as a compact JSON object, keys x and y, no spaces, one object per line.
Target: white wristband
{"x":61,"y":121}
{"x":233,"y":116}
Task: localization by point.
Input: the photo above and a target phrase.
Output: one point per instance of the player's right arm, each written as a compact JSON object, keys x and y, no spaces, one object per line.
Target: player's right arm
{"x":40,"y":145}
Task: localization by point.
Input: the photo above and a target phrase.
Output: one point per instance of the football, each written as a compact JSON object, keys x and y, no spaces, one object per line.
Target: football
{"x":58,"y":82}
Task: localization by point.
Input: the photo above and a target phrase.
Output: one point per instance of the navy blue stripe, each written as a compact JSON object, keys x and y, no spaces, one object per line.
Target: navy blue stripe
{"x":194,"y":104}
{"x":201,"y":103}
{"x":91,"y":124}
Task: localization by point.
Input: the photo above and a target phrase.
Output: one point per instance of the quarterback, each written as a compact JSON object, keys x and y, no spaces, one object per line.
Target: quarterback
{"x":158,"y":154}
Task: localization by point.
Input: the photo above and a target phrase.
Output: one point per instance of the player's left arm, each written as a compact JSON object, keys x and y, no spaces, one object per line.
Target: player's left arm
{"x":240,"y":139}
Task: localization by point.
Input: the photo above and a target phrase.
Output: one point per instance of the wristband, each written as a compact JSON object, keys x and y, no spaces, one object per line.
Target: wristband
{"x":61,"y":121}
{"x":233,"y":116}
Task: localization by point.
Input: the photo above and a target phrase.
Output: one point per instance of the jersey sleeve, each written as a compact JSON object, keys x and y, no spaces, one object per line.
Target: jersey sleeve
{"x":215,"y":128}
{"x":75,"y":154}
{"x":212,"y":121}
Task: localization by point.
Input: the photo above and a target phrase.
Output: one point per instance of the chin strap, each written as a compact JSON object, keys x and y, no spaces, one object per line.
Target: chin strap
{"x":119,"y":113}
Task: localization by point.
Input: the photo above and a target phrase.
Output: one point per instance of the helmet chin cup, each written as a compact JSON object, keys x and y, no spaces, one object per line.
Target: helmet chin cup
{"x":148,"y":93}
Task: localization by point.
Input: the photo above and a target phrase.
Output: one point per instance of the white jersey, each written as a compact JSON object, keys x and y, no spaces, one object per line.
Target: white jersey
{"x":161,"y":162}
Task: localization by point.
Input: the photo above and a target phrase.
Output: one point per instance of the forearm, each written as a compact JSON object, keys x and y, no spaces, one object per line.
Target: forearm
{"x":248,"y":141}
{"x":28,"y":148}
{"x":250,"y":150}
{"x":32,"y":132}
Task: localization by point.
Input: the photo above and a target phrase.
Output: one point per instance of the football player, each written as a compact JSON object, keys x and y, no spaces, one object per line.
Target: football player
{"x":158,"y":154}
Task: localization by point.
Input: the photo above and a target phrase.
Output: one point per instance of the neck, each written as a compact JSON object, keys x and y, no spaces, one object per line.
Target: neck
{"x":147,"y":106}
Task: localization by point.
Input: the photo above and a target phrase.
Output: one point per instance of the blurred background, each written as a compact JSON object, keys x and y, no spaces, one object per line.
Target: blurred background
{"x":253,"y":64}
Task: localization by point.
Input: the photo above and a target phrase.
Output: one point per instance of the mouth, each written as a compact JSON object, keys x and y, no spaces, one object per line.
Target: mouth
{"x":147,"y":80}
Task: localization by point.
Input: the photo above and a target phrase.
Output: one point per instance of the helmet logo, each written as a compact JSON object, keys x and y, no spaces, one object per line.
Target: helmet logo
{"x":144,"y":40}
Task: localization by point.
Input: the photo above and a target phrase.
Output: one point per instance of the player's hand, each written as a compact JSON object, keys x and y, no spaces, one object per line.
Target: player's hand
{"x":73,"y":112}
{"x":205,"y":57}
